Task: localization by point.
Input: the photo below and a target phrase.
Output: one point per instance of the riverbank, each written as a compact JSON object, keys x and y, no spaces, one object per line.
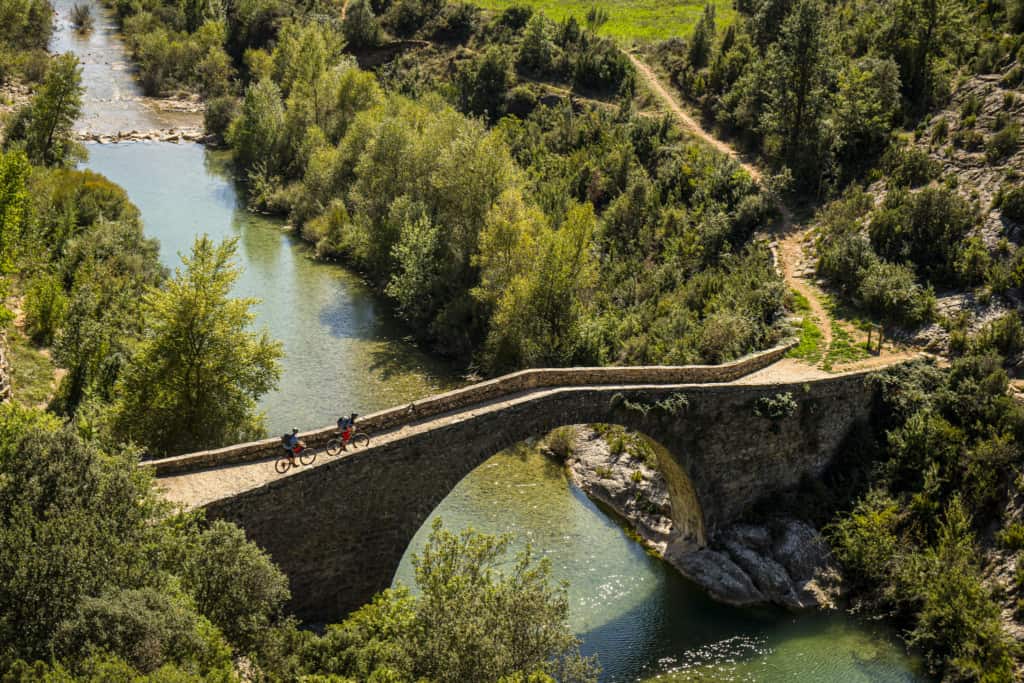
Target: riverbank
{"x":780,"y":561}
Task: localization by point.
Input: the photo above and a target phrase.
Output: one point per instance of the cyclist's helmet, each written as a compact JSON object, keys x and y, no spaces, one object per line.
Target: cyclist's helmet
{"x":295,"y":430}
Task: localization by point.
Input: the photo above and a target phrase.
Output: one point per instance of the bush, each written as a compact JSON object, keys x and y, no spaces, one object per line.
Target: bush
{"x":45,"y":308}
{"x":361,"y":27}
{"x":219,"y":115}
{"x":146,"y":628}
{"x":560,"y":441}
{"x":1004,"y":143}
{"x":865,"y":541}
{"x":1012,"y":203}
{"x":845,"y":259}
{"x":81,"y":17}
{"x":235,"y":584}
{"x":1011,"y":537}
{"x":910,"y":166}
{"x":1005,"y":335}
{"x":925,"y":228}
{"x":891,"y":292}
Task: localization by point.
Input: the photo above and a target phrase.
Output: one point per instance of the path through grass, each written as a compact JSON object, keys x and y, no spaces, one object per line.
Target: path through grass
{"x":630,"y":20}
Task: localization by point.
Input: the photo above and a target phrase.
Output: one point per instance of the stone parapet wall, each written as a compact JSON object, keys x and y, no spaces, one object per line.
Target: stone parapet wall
{"x":484,"y":392}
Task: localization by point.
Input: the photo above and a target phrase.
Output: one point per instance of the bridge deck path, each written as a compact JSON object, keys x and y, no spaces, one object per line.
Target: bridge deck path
{"x":200,"y":487}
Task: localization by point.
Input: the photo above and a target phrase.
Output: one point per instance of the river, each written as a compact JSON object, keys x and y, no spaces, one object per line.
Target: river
{"x":344,"y":352}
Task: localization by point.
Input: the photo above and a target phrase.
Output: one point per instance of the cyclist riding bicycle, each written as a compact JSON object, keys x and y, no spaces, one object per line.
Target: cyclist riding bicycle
{"x":291,"y":444}
{"x":345,"y":427}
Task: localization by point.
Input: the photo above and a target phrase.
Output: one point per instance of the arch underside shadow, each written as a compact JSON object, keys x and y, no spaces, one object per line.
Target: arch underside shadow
{"x":339,"y":530}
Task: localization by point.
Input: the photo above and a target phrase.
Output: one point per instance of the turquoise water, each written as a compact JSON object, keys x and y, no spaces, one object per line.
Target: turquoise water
{"x":636,"y":612}
{"x":344,"y":352}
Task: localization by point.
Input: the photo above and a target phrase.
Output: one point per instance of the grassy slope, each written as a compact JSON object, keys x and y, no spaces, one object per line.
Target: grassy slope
{"x":641,"y":20}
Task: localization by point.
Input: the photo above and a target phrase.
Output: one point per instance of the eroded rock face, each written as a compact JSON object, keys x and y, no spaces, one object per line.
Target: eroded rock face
{"x":778,"y":562}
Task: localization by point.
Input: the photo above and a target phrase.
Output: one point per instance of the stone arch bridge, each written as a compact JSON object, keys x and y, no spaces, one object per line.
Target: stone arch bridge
{"x":339,"y":529}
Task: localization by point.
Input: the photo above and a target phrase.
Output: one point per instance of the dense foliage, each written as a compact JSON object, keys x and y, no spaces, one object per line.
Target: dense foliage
{"x":942,"y":475}
{"x":193,"y":378}
{"x":556,"y":238}
{"x":818,"y":87}
{"x":25,"y":29}
{"x":101,"y":580}
{"x":43,"y":128}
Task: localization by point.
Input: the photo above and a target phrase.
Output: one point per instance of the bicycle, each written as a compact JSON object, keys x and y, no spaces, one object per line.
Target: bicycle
{"x":356,"y":440}
{"x":306,"y":456}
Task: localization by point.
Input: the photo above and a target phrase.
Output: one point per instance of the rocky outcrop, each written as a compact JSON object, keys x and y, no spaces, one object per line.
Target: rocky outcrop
{"x":158,"y":135}
{"x":779,"y":562}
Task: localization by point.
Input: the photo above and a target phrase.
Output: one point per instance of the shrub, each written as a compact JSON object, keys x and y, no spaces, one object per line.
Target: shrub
{"x":891,"y":292}
{"x":909,"y":166}
{"x":146,"y":628}
{"x":865,"y":541}
{"x":45,"y":308}
{"x":845,"y":259}
{"x":361,"y":27}
{"x":516,"y":17}
{"x":776,"y":407}
{"x":560,"y":441}
{"x":81,"y":17}
{"x":1005,"y":335}
{"x":923,"y":227}
{"x":1011,"y":537}
{"x":220,"y":113}
{"x":1012,"y":203}
{"x":235,"y":584}
{"x":1004,"y":143}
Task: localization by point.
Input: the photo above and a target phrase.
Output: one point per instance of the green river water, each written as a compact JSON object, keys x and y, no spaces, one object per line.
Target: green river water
{"x":345,"y":352}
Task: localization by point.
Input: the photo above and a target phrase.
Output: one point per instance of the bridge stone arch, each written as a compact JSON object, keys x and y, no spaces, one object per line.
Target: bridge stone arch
{"x":339,"y":530}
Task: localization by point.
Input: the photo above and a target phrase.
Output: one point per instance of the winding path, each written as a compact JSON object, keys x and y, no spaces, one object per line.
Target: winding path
{"x":790,"y":235}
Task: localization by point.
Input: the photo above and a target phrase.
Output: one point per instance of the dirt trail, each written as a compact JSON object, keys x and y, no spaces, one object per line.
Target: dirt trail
{"x":669,"y":100}
{"x":791,"y":236}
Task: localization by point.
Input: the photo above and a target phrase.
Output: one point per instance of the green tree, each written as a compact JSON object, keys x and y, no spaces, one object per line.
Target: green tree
{"x":798,"y":72}
{"x":475,"y":619}
{"x":537,"y":321}
{"x":537,"y":51}
{"x":53,"y":111}
{"x":484,"y":83}
{"x":235,"y":584}
{"x":867,"y":101}
{"x":361,"y":27}
{"x":194,"y":378}
{"x":703,"y":38}
{"x":256,"y":134}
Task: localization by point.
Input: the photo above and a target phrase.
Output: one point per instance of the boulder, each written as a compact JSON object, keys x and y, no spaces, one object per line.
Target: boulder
{"x":768,"y":575}
{"x":718,"y":575}
{"x":800,"y":549}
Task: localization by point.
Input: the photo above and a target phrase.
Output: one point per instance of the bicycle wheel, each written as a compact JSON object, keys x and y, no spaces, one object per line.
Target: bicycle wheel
{"x":360,"y":440}
{"x":334,"y":447}
{"x":282,"y":465}
{"x":307,"y":457}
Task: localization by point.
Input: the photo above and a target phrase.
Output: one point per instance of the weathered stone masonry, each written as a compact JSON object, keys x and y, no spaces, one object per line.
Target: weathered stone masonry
{"x":339,"y":530}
